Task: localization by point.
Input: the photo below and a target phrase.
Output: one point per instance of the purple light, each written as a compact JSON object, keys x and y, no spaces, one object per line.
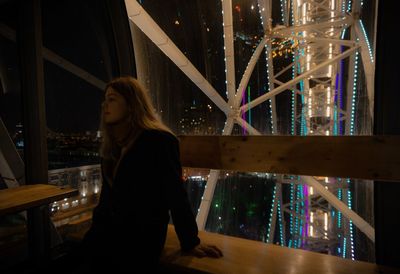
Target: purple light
{"x":244,"y":131}
{"x":305,"y":194}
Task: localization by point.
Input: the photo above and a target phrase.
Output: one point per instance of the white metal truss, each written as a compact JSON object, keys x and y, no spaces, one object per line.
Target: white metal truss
{"x":368,"y":64}
{"x":248,"y":71}
{"x":364,"y":226}
{"x":273,"y":215}
{"x":246,"y":126}
{"x":265,"y":10}
{"x":208,"y":195}
{"x":317,"y":118}
{"x":343,"y":21}
{"x":350,"y":85}
{"x":292,"y":82}
{"x":229,"y":49}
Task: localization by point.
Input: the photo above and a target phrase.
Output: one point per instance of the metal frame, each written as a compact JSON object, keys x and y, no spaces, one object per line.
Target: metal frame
{"x":296,"y":80}
{"x":11,"y":164}
{"x":58,"y":60}
{"x":29,"y":44}
{"x":205,"y":204}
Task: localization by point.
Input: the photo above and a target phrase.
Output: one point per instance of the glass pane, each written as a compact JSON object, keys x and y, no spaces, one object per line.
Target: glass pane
{"x":13,"y":231}
{"x":79,"y":59}
{"x":181,"y":104}
{"x":315,"y":105}
{"x":241,"y":205}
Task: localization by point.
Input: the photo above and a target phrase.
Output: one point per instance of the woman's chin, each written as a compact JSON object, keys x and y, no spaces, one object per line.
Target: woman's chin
{"x":109,"y":122}
{"x":112,"y":122}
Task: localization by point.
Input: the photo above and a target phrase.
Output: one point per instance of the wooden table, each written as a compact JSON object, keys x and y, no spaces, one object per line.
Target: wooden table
{"x":247,"y":256}
{"x":32,"y":197}
{"x":28,"y":196}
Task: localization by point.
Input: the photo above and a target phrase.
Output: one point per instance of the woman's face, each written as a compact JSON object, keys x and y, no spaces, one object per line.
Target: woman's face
{"x":115,"y":107}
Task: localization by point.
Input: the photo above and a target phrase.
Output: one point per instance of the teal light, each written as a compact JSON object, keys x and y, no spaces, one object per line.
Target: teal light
{"x":354,"y":95}
{"x":280,"y":224}
{"x":349,"y":6}
{"x":282,"y":4}
{"x":270,"y":216}
{"x":366,"y":39}
{"x":291,"y":207}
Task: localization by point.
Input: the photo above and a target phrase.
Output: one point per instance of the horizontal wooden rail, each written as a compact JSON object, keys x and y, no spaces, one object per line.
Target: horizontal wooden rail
{"x":362,"y":157}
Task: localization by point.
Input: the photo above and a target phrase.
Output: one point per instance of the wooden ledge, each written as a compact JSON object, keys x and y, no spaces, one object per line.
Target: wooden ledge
{"x":247,"y":256}
{"x":28,"y":196}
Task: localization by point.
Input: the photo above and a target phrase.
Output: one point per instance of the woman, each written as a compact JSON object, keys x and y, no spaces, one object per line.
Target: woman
{"x":141,"y":185}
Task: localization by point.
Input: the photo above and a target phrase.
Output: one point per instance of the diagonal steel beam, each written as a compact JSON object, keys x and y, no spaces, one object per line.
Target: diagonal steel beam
{"x":365,"y":227}
{"x":229,"y":50}
{"x":368,"y":65}
{"x":150,"y":28}
{"x":246,"y":126}
{"x":347,"y":43}
{"x":58,"y":60}
{"x":208,"y":195}
{"x":266,"y":20}
{"x":346,"y":20}
{"x":247,"y":73}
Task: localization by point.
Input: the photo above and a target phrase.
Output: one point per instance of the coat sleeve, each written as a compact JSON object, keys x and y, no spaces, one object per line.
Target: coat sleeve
{"x":176,"y":195}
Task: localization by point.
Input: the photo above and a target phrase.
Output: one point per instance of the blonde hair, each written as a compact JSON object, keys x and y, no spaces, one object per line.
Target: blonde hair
{"x":142,"y":112}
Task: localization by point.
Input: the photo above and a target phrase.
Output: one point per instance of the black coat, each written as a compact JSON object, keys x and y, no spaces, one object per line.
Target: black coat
{"x":130,"y":222}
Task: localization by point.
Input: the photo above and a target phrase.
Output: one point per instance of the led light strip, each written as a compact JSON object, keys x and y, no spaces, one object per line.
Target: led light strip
{"x":270,"y":215}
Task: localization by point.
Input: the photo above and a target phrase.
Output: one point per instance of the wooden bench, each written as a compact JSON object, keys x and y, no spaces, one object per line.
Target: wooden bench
{"x":32,"y":197}
{"x":248,"y":256}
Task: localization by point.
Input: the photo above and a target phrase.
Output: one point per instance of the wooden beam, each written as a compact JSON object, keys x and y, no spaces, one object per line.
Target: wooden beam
{"x":363,"y":157}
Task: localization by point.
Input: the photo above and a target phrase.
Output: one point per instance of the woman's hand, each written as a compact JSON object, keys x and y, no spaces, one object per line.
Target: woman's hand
{"x":204,"y":250}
